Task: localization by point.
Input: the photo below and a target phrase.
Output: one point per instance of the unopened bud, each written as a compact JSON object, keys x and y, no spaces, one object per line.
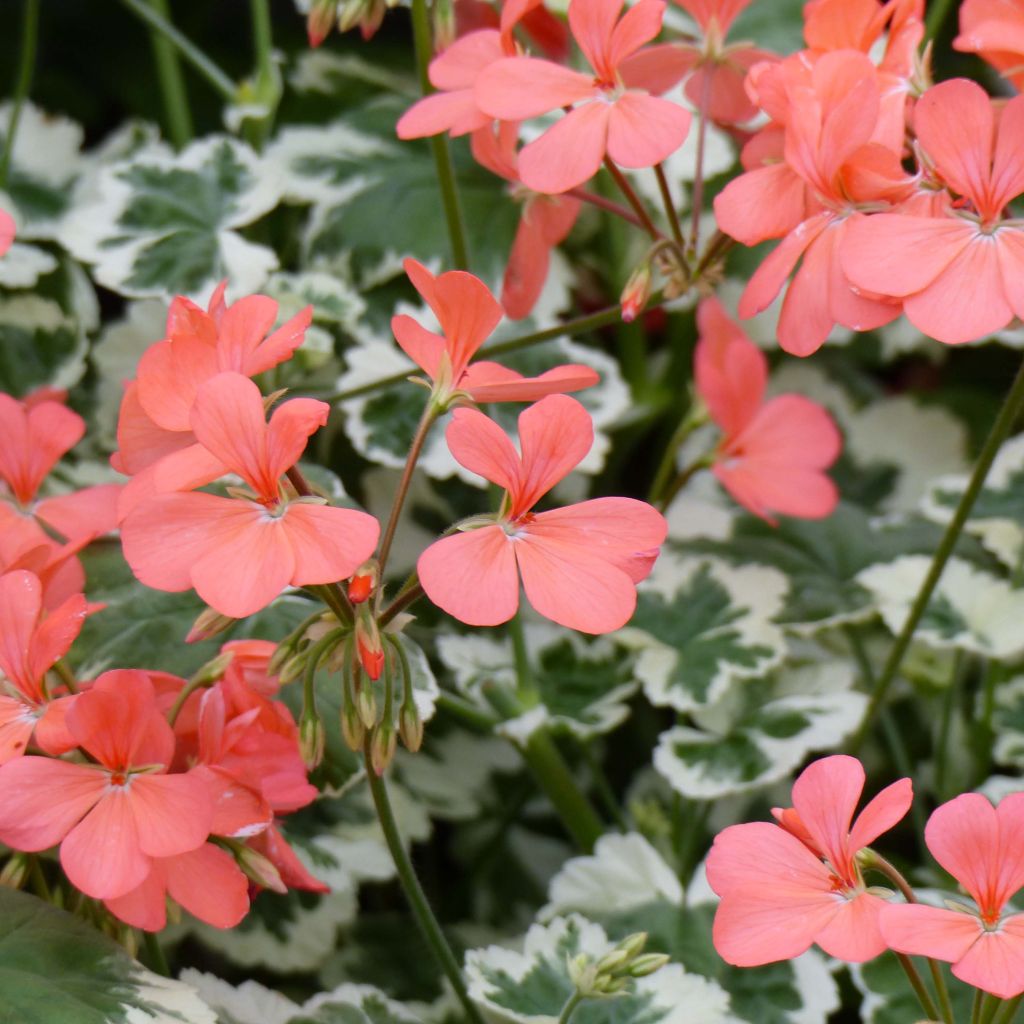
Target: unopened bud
{"x":366,"y":707}
{"x":258,"y":868}
{"x":636,"y":293}
{"x":410,"y":727}
{"x":353,"y":732}
{"x":633,"y":945}
{"x":311,"y":741}
{"x":610,"y":986}
{"x":368,"y":644}
{"x":282,"y":653}
{"x":292,"y":669}
{"x":209,"y":623}
{"x":444,"y":24}
{"x":15,"y":872}
{"x":363,"y":583}
{"x":613,"y":960}
{"x":647,"y":964}
{"x":126,"y":937}
{"x":213,"y":670}
{"x":320,"y":21}
{"x":582,"y":973}
{"x":382,"y":747}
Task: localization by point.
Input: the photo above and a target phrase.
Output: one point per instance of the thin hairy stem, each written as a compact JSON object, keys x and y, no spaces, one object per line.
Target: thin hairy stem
{"x":608,"y":205}
{"x":172,"y":81}
{"x":670,"y":207}
{"x":697,"y":198}
{"x":633,"y":199}
{"x":26,"y":69}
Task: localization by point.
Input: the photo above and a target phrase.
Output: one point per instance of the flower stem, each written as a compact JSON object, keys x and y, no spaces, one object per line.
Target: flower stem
{"x":670,"y":208}
{"x":550,"y":770}
{"x":418,"y":903}
{"x":427,"y":420}
{"x":608,"y":205}
{"x":203,"y":64}
{"x":917,"y":984}
{"x":937,"y":12}
{"x":697,"y":199}
{"x":26,"y":69}
{"x":439,"y":143}
{"x":681,"y":480}
{"x":155,"y":954}
{"x":172,"y":82}
{"x":687,"y":425}
{"x":999,"y":432}
{"x":633,"y":199}
{"x":1008,"y":1010}
{"x":405,"y":597}
{"x":570,"y":1007}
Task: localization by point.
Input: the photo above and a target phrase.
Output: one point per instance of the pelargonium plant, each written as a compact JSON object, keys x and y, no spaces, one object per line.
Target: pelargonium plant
{"x":483,"y":497}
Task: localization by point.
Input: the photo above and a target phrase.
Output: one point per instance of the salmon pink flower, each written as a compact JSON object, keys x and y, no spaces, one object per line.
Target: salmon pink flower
{"x":960,"y":276}
{"x":544,"y":223}
{"x":617,"y":115}
{"x":468,"y":313}
{"x":789,"y":885}
{"x":981,"y":847}
{"x":38,"y":432}
{"x":994,"y":29}
{"x":273,"y":845}
{"x":773,"y":455}
{"x":113,"y":817}
{"x":543,"y":28}
{"x":579,"y":565}
{"x":24,"y":545}
{"x":859,"y":24}
{"x":834,"y":164}
{"x":7,"y":231}
{"x":31,"y":643}
{"x":240,"y":553}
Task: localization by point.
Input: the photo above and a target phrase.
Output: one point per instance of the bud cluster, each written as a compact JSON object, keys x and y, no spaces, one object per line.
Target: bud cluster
{"x":611,"y":974}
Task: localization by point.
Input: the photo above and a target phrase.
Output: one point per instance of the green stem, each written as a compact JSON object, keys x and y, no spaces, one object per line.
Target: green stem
{"x":697,"y":199}
{"x":172,"y":82}
{"x":633,"y":199}
{"x":526,"y":687}
{"x":681,"y":480}
{"x":317,"y":654}
{"x":689,"y":423}
{"x":549,"y":768}
{"x":430,"y":414}
{"x":570,"y":1007}
{"x":578,"y":325}
{"x":608,"y":205}
{"x":468,"y":714}
{"x":976,"y":1007}
{"x":603,"y":786}
{"x":936,"y":18}
{"x":26,"y":68}
{"x":989,"y":1007}
{"x":262,"y":37}
{"x":39,"y":883}
{"x":1008,"y":1010}
{"x":206,"y":67}
{"x":917,"y":984}
{"x":406,"y":597}
{"x":439,"y":143}
{"x":999,"y":432}
{"x":425,"y":918}
{"x":670,"y":208}
{"x":196,"y":683}
{"x":155,"y":954}
{"x":949,"y":699}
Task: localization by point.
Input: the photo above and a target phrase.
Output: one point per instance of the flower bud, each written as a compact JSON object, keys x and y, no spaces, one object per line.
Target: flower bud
{"x":311,"y":741}
{"x":15,"y":872}
{"x":366,"y":707}
{"x":213,"y":670}
{"x":410,"y":727}
{"x":209,"y":623}
{"x":607,"y":985}
{"x":613,"y":960}
{"x":320,"y":20}
{"x":258,"y":868}
{"x":633,"y":945}
{"x":444,"y":24}
{"x":363,"y":582}
{"x":647,"y":964}
{"x":636,"y":293}
{"x":368,"y":644}
{"x":582,"y":974}
{"x":292,"y":669}
{"x":353,"y":732}
{"x":382,"y":747}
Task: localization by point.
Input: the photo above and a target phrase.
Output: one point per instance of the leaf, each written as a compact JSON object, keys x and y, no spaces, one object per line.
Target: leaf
{"x":577,"y":683}
{"x":54,"y":969}
{"x":39,"y":344}
{"x":159,"y":225}
{"x":970,"y":610}
{"x":534,"y":985}
{"x":700,"y":624}
{"x":888,"y":997}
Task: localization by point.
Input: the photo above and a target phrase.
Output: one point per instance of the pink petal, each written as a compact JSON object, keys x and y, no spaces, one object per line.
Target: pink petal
{"x":278,"y":346}
{"x":328,"y":544}
{"x":768,"y":490}
{"x":639,"y":25}
{"x":472,"y":576}
{"x":21,"y":601}
{"x":291,"y":426}
{"x":644,"y":130}
{"x":90,"y":512}
{"x":569,"y":152}
{"x":461,"y":63}
{"x":101,"y":855}
{"x":593,"y":24}
{"x":7,"y":231}
{"x":209,"y":884}
{"x":455,"y":112}
{"x":241,"y":330}
{"x":825,"y":795}
{"x":995,"y":963}
{"x":1010,"y":243}
{"x":238,"y":810}
{"x":656,"y":69}
{"x":966,"y":301}
{"x":853,"y":935}
{"x":293,"y":872}
{"x":173,"y":812}
{"x":141,"y":442}
{"x":41,"y":799}
{"x":964,"y":837}
{"x":423,"y":347}
{"x":768,"y":202}
{"x":881,"y":813}
{"x":170,"y":373}
{"x":56,"y":633}
{"x":1008,"y":165}
{"x":517,"y":88}
{"x":929,"y":931}
{"x":1010,"y":814}
{"x":527,"y":271}
{"x":481,"y":446}
{"x":145,"y":906}
{"x":491,"y":382}
{"x":609,"y":527}
{"x":16,"y":725}
{"x":52,"y":733}
{"x":184,"y":470}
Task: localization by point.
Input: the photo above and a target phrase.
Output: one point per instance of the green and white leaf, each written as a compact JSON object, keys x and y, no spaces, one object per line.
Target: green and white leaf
{"x":23,"y":265}
{"x":1008,"y":723}
{"x":331,"y":73}
{"x":971,"y":610}
{"x":40,"y":343}
{"x":997,"y":517}
{"x":160,"y":225}
{"x":534,"y":985}
{"x":700,"y":624}
{"x":624,"y":872}
{"x":55,"y":969}
{"x":578,"y":683}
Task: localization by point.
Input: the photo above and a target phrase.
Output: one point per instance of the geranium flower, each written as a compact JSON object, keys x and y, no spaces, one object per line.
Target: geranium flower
{"x":789,"y":885}
{"x":980,"y":846}
{"x":7,"y":231}
{"x":113,"y":817}
{"x":24,"y":545}
{"x":773,"y":455}
{"x":994,"y":29}
{"x":579,"y":565}
{"x":468,"y":313}
{"x":959,"y":276}
{"x":617,"y":113}
{"x":240,"y":553}
{"x":31,"y":643}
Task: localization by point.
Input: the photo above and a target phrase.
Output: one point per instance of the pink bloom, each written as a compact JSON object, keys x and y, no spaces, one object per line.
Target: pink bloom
{"x":786,"y":886}
{"x":960,"y":276}
{"x":7,"y":231}
{"x":994,"y":29}
{"x":617,"y":114}
{"x":111,"y":818}
{"x":544,"y":223}
{"x":31,"y":643}
{"x":468,"y":313}
{"x":859,"y":24}
{"x":249,"y":665}
{"x":834,"y":163}
{"x":579,"y":565}
{"x":773,"y":455}
{"x":980,"y":846}
{"x":37,"y":433}
{"x":24,"y":545}
{"x":240,"y":553}
{"x":272,"y":844}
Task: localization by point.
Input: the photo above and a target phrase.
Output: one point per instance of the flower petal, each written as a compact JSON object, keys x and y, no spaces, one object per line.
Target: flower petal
{"x":173,"y":812}
{"x":209,"y":885}
{"x":644,"y":130}
{"x":517,"y":88}
{"x":328,"y":544}
{"x":569,"y":152}
{"x":929,"y":931}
